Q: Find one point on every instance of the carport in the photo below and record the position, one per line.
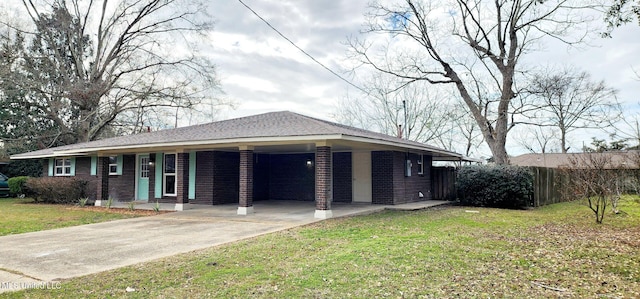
(271, 156)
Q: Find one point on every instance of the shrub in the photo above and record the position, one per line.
(495, 186)
(57, 190)
(17, 185)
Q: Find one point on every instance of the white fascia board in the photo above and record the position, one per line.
(200, 143)
(402, 145)
(255, 141)
(51, 155)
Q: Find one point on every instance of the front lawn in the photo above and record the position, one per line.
(22, 216)
(454, 252)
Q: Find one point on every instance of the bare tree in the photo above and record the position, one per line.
(595, 179)
(492, 39)
(568, 100)
(414, 113)
(463, 134)
(539, 140)
(86, 64)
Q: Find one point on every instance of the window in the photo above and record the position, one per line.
(113, 165)
(62, 167)
(170, 174)
(144, 167)
(421, 165)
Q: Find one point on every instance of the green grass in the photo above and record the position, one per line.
(550, 252)
(22, 216)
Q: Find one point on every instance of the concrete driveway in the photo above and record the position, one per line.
(52, 255)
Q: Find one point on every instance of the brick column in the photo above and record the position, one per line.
(246, 181)
(324, 193)
(182, 180)
(102, 192)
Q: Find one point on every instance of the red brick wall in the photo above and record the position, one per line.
(182, 175)
(324, 192)
(382, 177)
(246, 178)
(406, 188)
(226, 177)
(389, 183)
(204, 178)
(261, 171)
(83, 171)
(342, 177)
(122, 187)
(290, 178)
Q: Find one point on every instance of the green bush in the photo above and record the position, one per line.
(57, 189)
(17, 185)
(495, 186)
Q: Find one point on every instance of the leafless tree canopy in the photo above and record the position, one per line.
(88, 68)
(477, 46)
(569, 99)
(384, 109)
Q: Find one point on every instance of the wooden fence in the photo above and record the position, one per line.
(547, 186)
(443, 183)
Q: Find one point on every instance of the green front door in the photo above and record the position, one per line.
(143, 177)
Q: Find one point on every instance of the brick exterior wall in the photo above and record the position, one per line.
(290, 178)
(123, 187)
(261, 171)
(102, 189)
(118, 187)
(246, 178)
(204, 178)
(382, 177)
(152, 179)
(406, 188)
(182, 178)
(83, 172)
(342, 177)
(226, 177)
(324, 190)
(389, 183)
(276, 177)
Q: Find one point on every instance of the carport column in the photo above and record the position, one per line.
(103, 180)
(324, 193)
(246, 181)
(182, 183)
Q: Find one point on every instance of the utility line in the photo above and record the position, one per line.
(301, 50)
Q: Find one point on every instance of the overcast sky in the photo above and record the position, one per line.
(262, 72)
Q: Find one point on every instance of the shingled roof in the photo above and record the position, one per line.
(273, 125)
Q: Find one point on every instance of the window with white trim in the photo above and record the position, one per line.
(113, 165)
(169, 176)
(421, 165)
(62, 167)
(144, 167)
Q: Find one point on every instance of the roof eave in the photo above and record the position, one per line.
(257, 141)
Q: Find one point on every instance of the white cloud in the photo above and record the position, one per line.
(251, 83)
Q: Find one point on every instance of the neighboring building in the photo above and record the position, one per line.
(271, 156)
(617, 160)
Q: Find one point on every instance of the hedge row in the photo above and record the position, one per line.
(57, 190)
(496, 186)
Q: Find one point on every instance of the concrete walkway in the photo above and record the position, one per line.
(47, 256)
